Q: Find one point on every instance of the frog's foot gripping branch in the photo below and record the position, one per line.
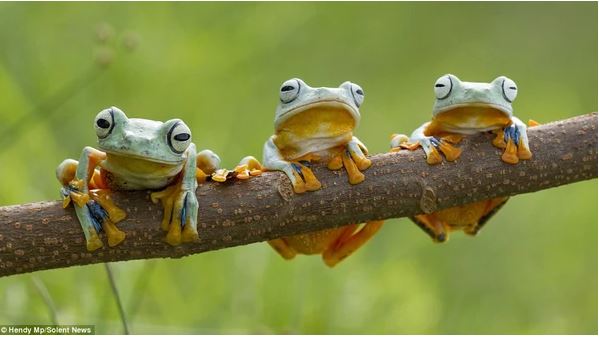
(179, 201)
(303, 178)
(180, 214)
(95, 209)
(433, 146)
(515, 142)
(248, 167)
(354, 160)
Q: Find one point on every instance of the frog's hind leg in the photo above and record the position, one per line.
(493, 206)
(350, 241)
(281, 247)
(432, 226)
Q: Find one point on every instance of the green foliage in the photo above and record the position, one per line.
(218, 66)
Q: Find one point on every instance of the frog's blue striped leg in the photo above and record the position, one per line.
(91, 212)
(301, 176)
(515, 139)
(433, 146)
(180, 203)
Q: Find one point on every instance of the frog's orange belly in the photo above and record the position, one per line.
(467, 120)
(463, 215)
(314, 242)
(314, 130)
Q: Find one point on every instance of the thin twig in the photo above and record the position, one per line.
(43, 291)
(117, 298)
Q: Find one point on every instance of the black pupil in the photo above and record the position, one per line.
(104, 124)
(287, 88)
(513, 88)
(439, 85)
(182, 137)
(360, 92)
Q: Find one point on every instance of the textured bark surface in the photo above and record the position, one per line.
(43, 235)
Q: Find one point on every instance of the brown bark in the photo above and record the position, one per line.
(42, 235)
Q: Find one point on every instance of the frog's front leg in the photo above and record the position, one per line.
(354, 160)
(95, 210)
(432, 145)
(300, 175)
(180, 204)
(515, 141)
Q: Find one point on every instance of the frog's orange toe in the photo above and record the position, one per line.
(94, 243)
(115, 235)
(336, 163)
(220, 175)
(510, 155)
(362, 162)
(533, 123)
(434, 157)
(189, 234)
(451, 152)
(499, 140)
(410, 146)
(173, 237)
(523, 152)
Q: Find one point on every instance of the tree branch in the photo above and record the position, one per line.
(42, 235)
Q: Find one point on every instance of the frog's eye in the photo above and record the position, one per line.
(290, 89)
(443, 87)
(358, 94)
(104, 123)
(509, 89)
(179, 137)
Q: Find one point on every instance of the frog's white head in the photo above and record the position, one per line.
(142, 138)
(296, 96)
(452, 93)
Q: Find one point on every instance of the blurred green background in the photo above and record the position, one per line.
(218, 66)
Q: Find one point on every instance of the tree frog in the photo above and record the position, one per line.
(461, 109)
(316, 125)
(136, 154)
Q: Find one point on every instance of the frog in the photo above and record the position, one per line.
(463, 109)
(316, 125)
(136, 154)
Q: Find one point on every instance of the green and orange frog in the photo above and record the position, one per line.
(136, 154)
(316, 125)
(462, 109)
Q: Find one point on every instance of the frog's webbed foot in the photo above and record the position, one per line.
(433, 147)
(515, 142)
(400, 141)
(354, 160)
(180, 214)
(95, 209)
(307, 180)
(248, 167)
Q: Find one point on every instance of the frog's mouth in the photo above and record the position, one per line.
(332, 107)
(473, 117)
(123, 156)
(475, 107)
